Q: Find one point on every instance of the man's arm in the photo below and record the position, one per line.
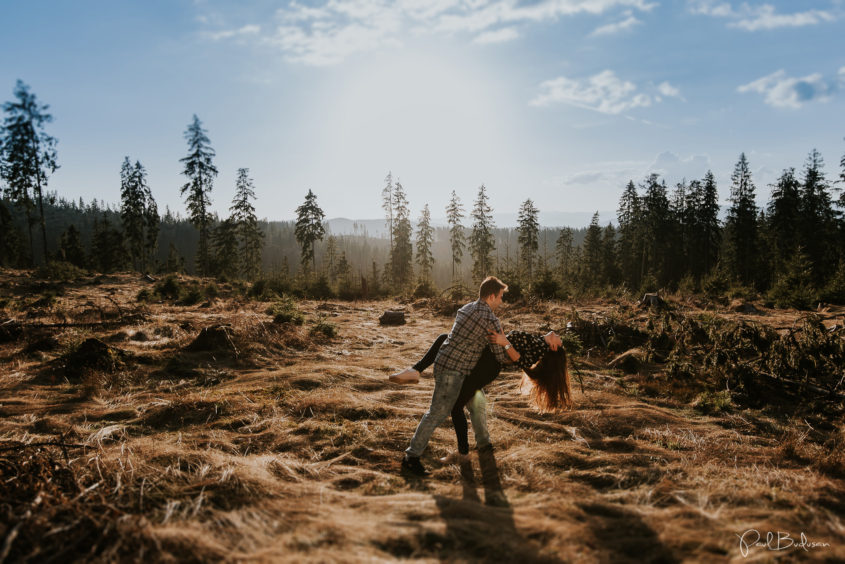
(494, 326)
(500, 340)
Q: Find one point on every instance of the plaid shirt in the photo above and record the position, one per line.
(468, 337)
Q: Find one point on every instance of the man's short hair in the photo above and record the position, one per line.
(490, 287)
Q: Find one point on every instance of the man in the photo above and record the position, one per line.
(455, 360)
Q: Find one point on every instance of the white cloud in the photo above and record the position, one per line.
(758, 17)
(329, 31)
(782, 91)
(614, 28)
(233, 33)
(668, 90)
(498, 36)
(603, 92)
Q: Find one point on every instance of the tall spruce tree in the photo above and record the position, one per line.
(818, 219)
(152, 225)
(249, 234)
(707, 222)
(609, 255)
(27, 158)
(741, 237)
(591, 266)
(564, 253)
(107, 250)
(481, 240)
(70, 246)
(132, 204)
(9, 238)
(225, 247)
(200, 171)
(784, 218)
(425, 242)
(401, 253)
(457, 239)
(629, 218)
(529, 236)
(656, 230)
(309, 229)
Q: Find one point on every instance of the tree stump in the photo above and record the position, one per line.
(652, 300)
(217, 338)
(392, 318)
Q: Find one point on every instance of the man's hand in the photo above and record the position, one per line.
(553, 340)
(498, 338)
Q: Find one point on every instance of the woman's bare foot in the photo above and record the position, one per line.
(454, 458)
(407, 376)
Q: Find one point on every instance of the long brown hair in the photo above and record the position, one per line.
(551, 389)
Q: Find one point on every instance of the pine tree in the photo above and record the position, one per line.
(818, 219)
(425, 241)
(529, 235)
(707, 222)
(564, 253)
(27, 157)
(132, 207)
(226, 251)
(656, 230)
(741, 225)
(152, 225)
(175, 262)
(70, 247)
(481, 241)
(592, 254)
(249, 234)
(200, 171)
(107, 250)
(784, 218)
(457, 239)
(309, 229)
(9, 238)
(330, 259)
(629, 217)
(609, 258)
(401, 256)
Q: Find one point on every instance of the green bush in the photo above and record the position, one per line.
(266, 289)
(425, 289)
(211, 290)
(713, 402)
(285, 310)
(192, 296)
(546, 287)
(60, 270)
(170, 288)
(324, 327)
(319, 289)
(145, 295)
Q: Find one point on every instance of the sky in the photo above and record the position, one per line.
(559, 101)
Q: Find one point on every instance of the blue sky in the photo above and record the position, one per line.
(561, 101)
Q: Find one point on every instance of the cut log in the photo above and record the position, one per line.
(392, 318)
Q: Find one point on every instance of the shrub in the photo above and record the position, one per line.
(716, 283)
(425, 289)
(60, 270)
(211, 291)
(285, 310)
(319, 289)
(145, 295)
(192, 296)
(545, 287)
(170, 288)
(265, 289)
(713, 402)
(324, 327)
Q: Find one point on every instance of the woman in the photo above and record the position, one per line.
(546, 378)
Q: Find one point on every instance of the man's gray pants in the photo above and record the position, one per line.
(447, 386)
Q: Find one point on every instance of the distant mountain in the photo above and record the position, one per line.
(377, 227)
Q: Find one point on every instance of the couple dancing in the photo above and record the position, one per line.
(469, 358)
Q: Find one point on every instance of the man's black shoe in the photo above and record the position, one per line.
(413, 465)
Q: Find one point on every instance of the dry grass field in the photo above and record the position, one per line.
(266, 441)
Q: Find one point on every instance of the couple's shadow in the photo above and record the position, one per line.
(484, 530)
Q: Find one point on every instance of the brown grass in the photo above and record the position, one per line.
(289, 450)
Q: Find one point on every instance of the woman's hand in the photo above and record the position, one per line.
(498, 338)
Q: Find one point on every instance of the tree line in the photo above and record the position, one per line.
(792, 249)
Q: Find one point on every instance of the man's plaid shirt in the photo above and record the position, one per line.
(468, 337)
